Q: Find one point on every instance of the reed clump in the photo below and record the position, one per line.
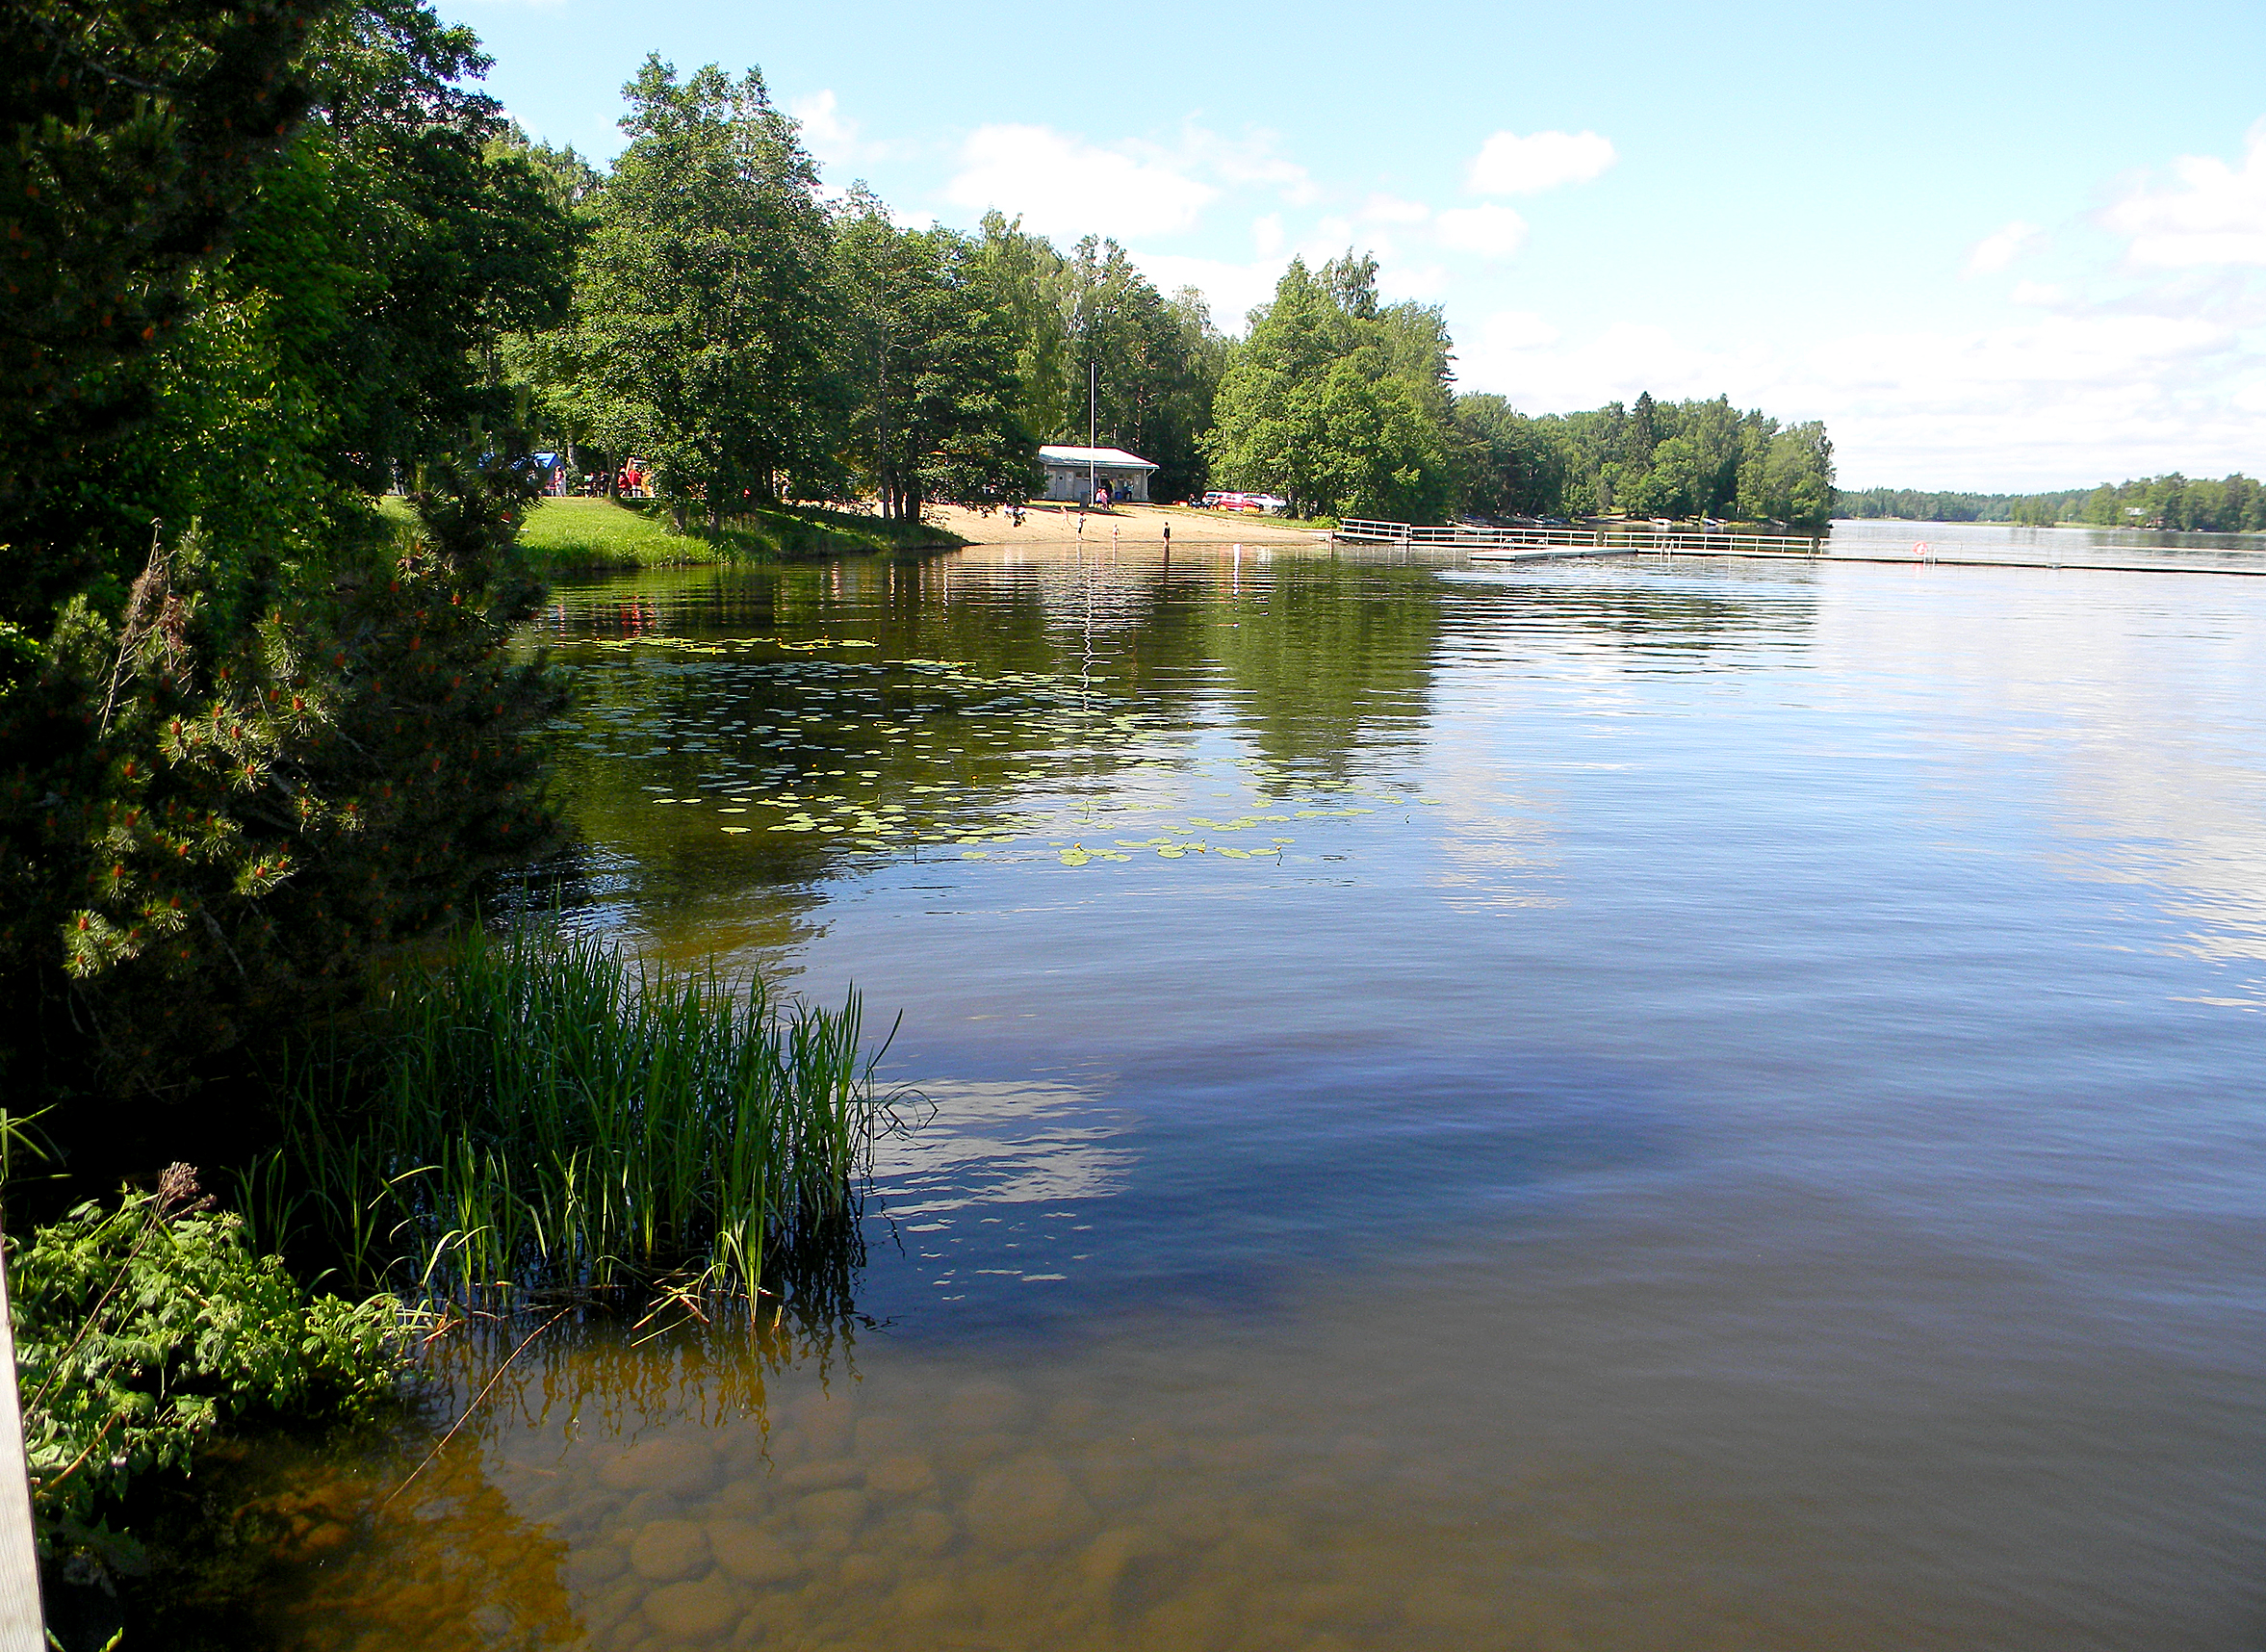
(551, 1117)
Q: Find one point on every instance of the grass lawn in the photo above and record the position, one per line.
(568, 535)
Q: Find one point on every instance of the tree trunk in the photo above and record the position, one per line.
(884, 471)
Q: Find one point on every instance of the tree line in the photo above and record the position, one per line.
(269, 259)
(2232, 505)
(752, 341)
(1344, 406)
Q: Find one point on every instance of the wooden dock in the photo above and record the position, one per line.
(1557, 544)
(1537, 544)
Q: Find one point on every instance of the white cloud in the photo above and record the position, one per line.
(2055, 400)
(1249, 160)
(1062, 186)
(2039, 294)
(2215, 214)
(1232, 290)
(2052, 402)
(1426, 283)
(830, 138)
(2002, 246)
(1267, 235)
(1517, 329)
(1516, 357)
(1391, 209)
(1509, 164)
(1491, 231)
(1946, 371)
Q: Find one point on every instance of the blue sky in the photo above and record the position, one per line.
(1991, 246)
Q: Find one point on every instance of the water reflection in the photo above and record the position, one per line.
(788, 720)
(1723, 1114)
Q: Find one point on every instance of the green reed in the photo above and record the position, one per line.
(548, 1115)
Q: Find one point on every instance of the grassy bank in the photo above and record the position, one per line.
(576, 535)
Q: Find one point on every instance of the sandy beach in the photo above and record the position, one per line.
(1132, 524)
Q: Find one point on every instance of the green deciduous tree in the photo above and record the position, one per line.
(703, 312)
(928, 343)
(1677, 460)
(1155, 361)
(1338, 402)
(246, 738)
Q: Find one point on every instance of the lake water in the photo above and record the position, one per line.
(1584, 1105)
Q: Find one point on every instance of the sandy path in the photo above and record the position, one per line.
(1135, 525)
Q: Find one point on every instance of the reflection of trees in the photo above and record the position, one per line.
(1319, 658)
(452, 1563)
(475, 1550)
(1328, 659)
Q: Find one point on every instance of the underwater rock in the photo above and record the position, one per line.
(822, 1476)
(1114, 1557)
(1027, 1503)
(750, 1554)
(900, 1475)
(681, 1462)
(836, 1508)
(984, 1405)
(665, 1550)
(693, 1610)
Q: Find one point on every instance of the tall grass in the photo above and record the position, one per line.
(550, 1116)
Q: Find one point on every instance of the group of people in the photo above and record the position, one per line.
(631, 481)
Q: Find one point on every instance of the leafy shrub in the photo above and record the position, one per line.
(141, 1330)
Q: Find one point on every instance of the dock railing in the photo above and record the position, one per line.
(1617, 539)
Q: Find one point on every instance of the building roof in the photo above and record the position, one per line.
(1108, 458)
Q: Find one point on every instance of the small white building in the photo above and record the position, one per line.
(1074, 475)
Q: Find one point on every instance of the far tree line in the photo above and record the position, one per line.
(751, 340)
(2232, 505)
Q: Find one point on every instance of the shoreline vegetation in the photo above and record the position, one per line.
(540, 1117)
(533, 1126)
(2174, 503)
(566, 536)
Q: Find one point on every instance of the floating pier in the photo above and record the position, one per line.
(1537, 544)
(1556, 544)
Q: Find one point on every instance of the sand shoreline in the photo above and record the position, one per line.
(1131, 524)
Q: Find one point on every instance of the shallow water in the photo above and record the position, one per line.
(1582, 1105)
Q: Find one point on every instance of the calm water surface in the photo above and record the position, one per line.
(1578, 1106)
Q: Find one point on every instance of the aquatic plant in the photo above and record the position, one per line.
(549, 1115)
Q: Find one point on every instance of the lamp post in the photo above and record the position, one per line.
(1092, 383)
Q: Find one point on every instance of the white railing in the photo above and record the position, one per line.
(1621, 538)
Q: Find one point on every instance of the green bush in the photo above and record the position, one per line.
(143, 1329)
